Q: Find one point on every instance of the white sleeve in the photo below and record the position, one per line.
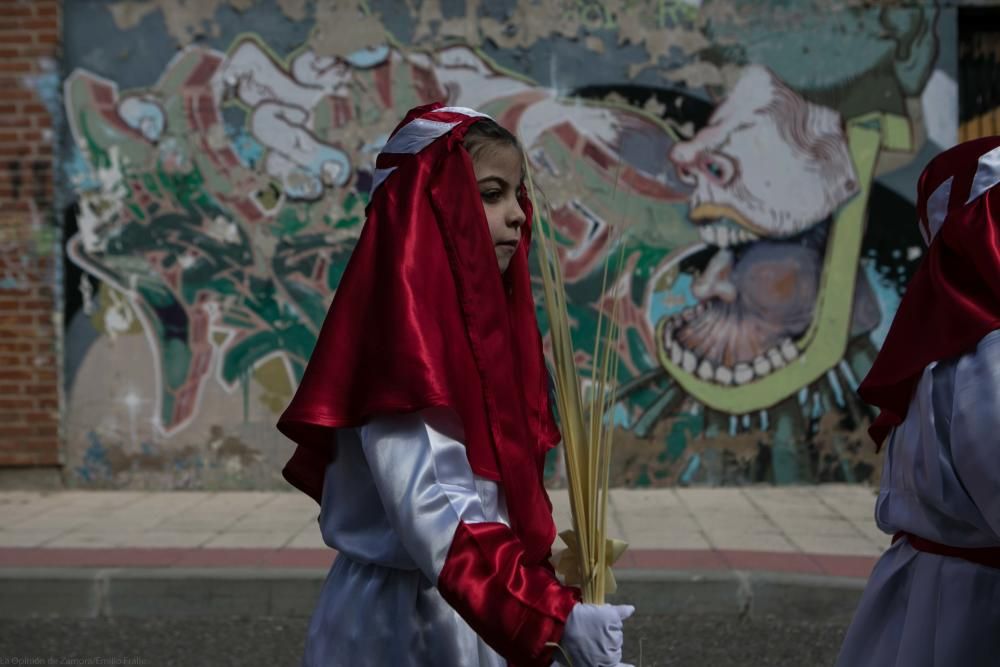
(425, 482)
(447, 520)
(975, 427)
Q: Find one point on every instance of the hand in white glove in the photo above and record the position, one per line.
(593, 636)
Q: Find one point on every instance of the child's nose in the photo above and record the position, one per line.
(516, 217)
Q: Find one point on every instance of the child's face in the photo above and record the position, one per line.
(498, 173)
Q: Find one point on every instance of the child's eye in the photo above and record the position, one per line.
(491, 196)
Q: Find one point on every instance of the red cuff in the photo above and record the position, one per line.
(516, 607)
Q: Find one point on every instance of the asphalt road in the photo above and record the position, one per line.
(696, 641)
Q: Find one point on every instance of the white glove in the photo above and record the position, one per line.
(593, 636)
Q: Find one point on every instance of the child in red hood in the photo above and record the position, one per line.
(423, 419)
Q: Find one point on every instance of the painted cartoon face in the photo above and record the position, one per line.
(767, 173)
(769, 164)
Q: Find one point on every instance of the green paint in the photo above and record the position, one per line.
(99, 157)
(309, 301)
(784, 454)
(176, 362)
(346, 223)
(245, 386)
(288, 222)
(244, 354)
(136, 211)
(644, 425)
(350, 201)
(685, 427)
(150, 183)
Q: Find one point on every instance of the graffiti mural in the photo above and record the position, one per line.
(762, 204)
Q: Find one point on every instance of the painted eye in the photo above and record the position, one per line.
(718, 167)
(686, 175)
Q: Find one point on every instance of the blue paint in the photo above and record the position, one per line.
(95, 461)
(308, 181)
(144, 116)
(691, 469)
(48, 88)
(368, 57)
(817, 407)
(621, 416)
(247, 148)
(659, 307)
(887, 295)
(77, 171)
(848, 374)
(838, 392)
(327, 154)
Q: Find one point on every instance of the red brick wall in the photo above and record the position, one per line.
(29, 324)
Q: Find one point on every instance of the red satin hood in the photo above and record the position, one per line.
(953, 300)
(422, 317)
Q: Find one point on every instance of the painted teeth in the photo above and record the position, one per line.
(761, 366)
(741, 374)
(678, 320)
(724, 235)
(788, 350)
(690, 362)
(709, 234)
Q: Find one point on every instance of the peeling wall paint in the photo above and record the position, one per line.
(768, 182)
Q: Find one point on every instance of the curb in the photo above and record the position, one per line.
(801, 597)
(137, 592)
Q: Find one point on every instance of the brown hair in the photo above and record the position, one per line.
(487, 135)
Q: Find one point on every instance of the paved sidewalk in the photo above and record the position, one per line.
(704, 543)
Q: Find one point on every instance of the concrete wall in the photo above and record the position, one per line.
(217, 159)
